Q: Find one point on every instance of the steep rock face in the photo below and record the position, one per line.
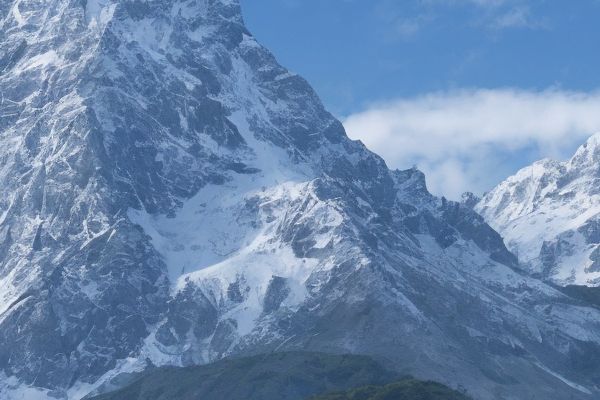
(171, 195)
(549, 214)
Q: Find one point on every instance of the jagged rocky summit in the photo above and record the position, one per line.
(171, 195)
(549, 215)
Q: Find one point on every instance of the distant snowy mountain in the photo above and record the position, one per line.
(172, 196)
(549, 215)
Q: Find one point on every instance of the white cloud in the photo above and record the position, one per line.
(407, 27)
(519, 17)
(471, 139)
(503, 14)
(480, 3)
(515, 18)
(488, 3)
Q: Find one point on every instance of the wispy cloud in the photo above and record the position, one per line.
(487, 3)
(515, 18)
(506, 14)
(403, 22)
(470, 139)
(406, 28)
(491, 16)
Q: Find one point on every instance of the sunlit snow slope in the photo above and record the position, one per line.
(549, 215)
(171, 195)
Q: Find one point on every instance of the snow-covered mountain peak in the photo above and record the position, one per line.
(588, 155)
(548, 214)
(523, 191)
(172, 195)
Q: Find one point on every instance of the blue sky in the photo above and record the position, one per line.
(451, 68)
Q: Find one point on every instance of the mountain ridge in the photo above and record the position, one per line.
(549, 212)
(173, 196)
